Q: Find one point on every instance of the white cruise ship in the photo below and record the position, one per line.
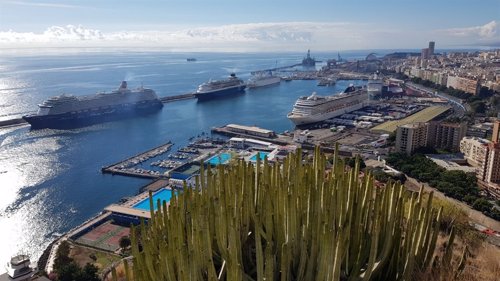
(313, 109)
(69, 111)
(262, 80)
(217, 88)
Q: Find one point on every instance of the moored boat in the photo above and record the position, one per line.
(69, 111)
(263, 80)
(314, 108)
(217, 88)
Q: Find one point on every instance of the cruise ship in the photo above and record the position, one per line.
(262, 80)
(216, 88)
(68, 111)
(313, 109)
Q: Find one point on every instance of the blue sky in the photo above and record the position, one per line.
(251, 24)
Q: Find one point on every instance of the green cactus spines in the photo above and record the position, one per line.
(290, 221)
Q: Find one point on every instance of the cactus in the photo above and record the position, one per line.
(289, 221)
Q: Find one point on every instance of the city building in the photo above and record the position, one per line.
(445, 135)
(495, 137)
(485, 155)
(424, 55)
(475, 151)
(492, 173)
(431, 48)
(410, 137)
(436, 134)
(461, 83)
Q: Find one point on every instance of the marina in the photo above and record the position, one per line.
(126, 167)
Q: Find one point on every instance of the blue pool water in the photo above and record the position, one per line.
(261, 154)
(163, 195)
(221, 158)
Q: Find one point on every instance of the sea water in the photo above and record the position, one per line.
(50, 180)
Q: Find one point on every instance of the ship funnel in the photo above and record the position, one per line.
(123, 85)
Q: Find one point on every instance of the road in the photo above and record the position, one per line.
(457, 103)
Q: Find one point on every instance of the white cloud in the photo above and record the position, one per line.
(488, 30)
(253, 36)
(287, 36)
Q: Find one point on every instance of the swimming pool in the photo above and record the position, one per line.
(163, 195)
(221, 158)
(261, 154)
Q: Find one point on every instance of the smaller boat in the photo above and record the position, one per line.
(191, 59)
(327, 81)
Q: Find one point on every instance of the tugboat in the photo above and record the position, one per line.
(18, 269)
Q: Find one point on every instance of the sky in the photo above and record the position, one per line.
(250, 25)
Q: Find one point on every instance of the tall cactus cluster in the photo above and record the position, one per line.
(290, 221)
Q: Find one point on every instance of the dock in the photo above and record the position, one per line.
(12, 122)
(177, 98)
(251, 132)
(126, 167)
(281, 68)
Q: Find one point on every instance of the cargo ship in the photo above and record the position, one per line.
(68, 111)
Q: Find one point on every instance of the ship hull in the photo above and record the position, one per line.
(72, 120)
(264, 83)
(220, 93)
(311, 119)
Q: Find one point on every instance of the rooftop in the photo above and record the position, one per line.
(422, 116)
(449, 162)
(250, 128)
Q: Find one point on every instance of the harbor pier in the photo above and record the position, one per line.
(125, 167)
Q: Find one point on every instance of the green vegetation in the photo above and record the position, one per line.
(455, 184)
(384, 177)
(290, 221)
(351, 162)
(124, 242)
(67, 269)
